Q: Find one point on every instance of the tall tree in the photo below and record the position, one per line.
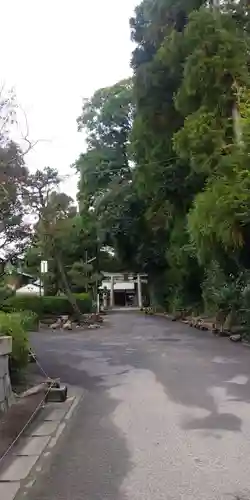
(107, 119)
(163, 179)
(14, 228)
(185, 144)
(55, 213)
(190, 64)
(107, 189)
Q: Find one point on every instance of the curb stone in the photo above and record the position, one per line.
(245, 343)
(36, 444)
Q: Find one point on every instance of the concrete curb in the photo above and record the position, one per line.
(245, 343)
(36, 445)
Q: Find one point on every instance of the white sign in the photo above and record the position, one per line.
(44, 266)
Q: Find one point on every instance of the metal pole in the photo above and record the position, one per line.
(40, 277)
(96, 282)
(86, 262)
(97, 303)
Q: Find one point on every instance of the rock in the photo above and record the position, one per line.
(224, 333)
(56, 326)
(149, 311)
(236, 337)
(96, 318)
(193, 322)
(67, 325)
(64, 318)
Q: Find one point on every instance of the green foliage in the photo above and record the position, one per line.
(214, 52)
(216, 55)
(107, 117)
(48, 306)
(184, 274)
(117, 210)
(165, 178)
(227, 294)
(213, 282)
(245, 310)
(221, 213)
(204, 155)
(13, 181)
(29, 320)
(5, 292)
(83, 277)
(13, 325)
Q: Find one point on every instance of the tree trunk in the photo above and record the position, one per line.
(231, 320)
(67, 290)
(157, 287)
(237, 125)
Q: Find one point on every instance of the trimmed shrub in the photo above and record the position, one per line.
(47, 306)
(11, 324)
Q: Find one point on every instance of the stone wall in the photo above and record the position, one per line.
(5, 384)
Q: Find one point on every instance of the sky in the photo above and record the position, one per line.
(54, 53)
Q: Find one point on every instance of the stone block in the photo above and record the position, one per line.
(3, 406)
(7, 385)
(57, 394)
(2, 390)
(56, 415)
(8, 491)
(32, 446)
(45, 429)
(5, 345)
(19, 468)
(4, 365)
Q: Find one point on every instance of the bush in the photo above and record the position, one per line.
(29, 320)
(47, 306)
(11, 324)
(5, 292)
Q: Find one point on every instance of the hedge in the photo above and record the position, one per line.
(47, 306)
(13, 325)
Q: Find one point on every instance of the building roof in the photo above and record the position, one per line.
(30, 289)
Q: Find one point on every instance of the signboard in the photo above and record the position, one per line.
(44, 266)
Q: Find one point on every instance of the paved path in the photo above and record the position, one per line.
(166, 414)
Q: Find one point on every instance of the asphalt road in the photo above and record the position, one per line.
(166, 414)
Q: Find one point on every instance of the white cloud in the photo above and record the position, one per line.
(54, 52)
